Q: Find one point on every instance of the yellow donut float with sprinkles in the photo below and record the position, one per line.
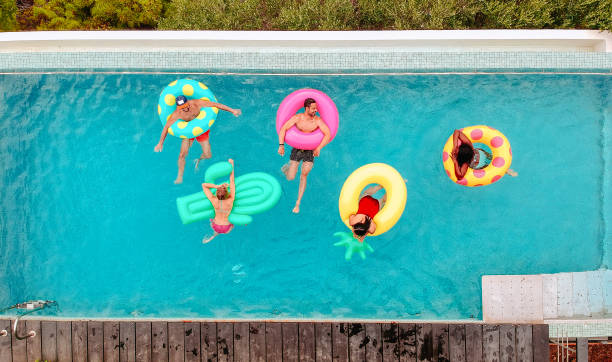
(501, 159)
(191, 89)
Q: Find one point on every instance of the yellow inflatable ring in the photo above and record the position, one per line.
(501, 152)
(374, 173)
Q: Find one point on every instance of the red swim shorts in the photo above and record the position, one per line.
(203, 137)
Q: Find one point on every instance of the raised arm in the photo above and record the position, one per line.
(203, 104)
(232, 182)
(169, 122)
(459, 171)
(326, 136)
(458, 135)
(281, 134)
(206, 188)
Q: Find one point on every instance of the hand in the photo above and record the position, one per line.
(316, 152)
(158, 147)
(236, 112)
(281, 150)
(231, 162)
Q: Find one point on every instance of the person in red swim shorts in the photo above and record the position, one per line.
(362, 222)
(187, 110)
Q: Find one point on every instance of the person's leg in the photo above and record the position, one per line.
(181, 160)
(371, 191)
(206, 153)
(511, 172)
(290, 169)
(306, 167)
(208, 240)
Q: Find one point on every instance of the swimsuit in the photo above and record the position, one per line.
(220, 229)
(368, 206)
(203, 137)
(478, 161)
(301, 155)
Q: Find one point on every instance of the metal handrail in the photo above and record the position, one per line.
(31, 307)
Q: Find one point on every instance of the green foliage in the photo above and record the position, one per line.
(95, 14)
(213, 15)
(317, 15)
(8, 15)
(127, 14)
(308, 14)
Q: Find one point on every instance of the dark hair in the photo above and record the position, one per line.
(362, 228)
(308, 102)
(465, 154)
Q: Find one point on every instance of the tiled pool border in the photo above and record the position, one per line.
(327, 61)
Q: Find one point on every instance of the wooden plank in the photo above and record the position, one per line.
(208, 341)
(339, 342)
(64, 341)
(440, 340)
(79, 340)
(110, 341)
(507, 343)
(274, 342)
(356, 341)
(143, 341)
(323, 342)
(582, 350)
(390, 345)
(257, 342)
(407, 342)
(6, 352)
(95, 341)
(374, 345)
(541, 351)
(192, 342)
(34, 344)
(425, 351)
(473, 342)
(225, 342)
(49, 340)
(159, 341)
(241, 342)
(290, 342)
(524, 351)
(456, 342)
(127, 341)
(19, 346)
(490, 342)
(176, 342)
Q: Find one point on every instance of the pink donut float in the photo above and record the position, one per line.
(294, 102)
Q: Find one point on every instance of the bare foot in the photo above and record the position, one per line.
(296, 209)
(179, 180)
(512, 173)
(285, 169)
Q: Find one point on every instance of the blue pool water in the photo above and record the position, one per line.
(88, 215)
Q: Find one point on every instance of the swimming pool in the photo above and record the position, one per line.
(89, 218)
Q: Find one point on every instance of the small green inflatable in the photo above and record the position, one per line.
(256, 192)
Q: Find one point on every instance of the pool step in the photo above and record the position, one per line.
(535, 298)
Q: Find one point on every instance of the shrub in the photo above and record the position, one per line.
(8, 15)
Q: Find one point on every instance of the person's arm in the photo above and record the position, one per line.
(206, 188)
(281, 134)
(170, 122)
(459, 171)
(203, 104)
(232, 183)
(372, 228)
(464, 139)
(326, 136)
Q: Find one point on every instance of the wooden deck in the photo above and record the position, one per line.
(273, 341)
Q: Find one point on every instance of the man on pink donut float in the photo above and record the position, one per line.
(306, 122)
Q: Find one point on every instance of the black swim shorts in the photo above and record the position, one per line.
(302, 155)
